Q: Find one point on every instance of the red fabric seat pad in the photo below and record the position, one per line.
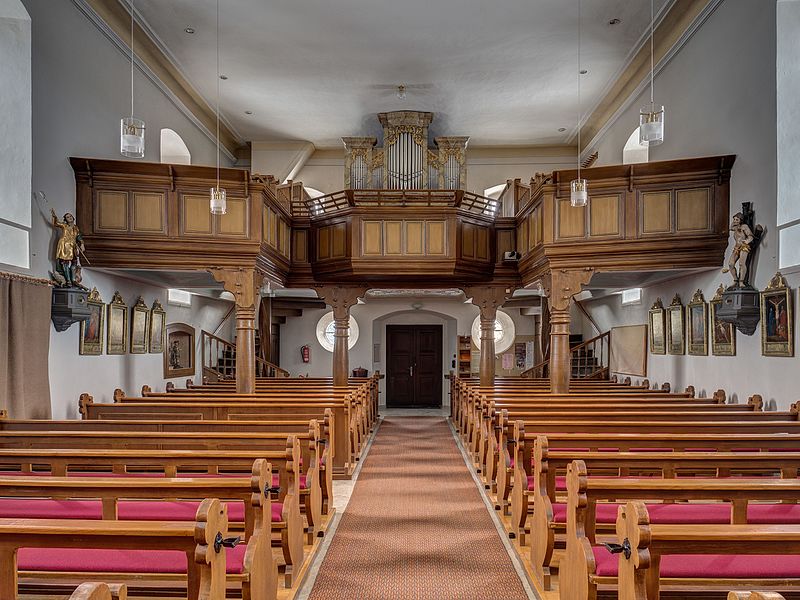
(127, 510)
(675, 514)
(718, 566)
(117, 561)
(277, 512)
(276, 481)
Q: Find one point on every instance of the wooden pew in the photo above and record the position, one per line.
(315, 438)
(346, 433)
(100, 591)
(584, 565)
(755, 596)
(639, 570)
(283, 453)
(205, 559)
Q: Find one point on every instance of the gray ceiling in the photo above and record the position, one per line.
(503, 72)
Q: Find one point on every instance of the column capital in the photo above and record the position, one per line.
(341, 297)
(560, 285)
(244, 283)
(488, 299)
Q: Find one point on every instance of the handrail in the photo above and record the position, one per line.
(590, 365)
(219, 356)
(264, 368)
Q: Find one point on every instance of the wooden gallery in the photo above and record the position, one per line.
(381, 301)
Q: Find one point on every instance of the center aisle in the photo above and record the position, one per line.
(416, 525)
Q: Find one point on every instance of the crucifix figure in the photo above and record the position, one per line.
(743, 238)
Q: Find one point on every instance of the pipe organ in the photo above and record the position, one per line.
(405, 162)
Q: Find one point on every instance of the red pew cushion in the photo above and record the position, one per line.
(773, 513)
(276, 481)
(118, 561)
(37, 508)
(277, 510)
(147, 510)
(720, 566)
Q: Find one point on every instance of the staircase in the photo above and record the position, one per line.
(589, 359)
(219, 360)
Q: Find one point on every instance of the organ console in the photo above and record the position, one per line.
(405, 162)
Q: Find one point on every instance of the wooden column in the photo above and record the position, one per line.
(244, 284)
(341, 298)
(488, 300)
(560, 286)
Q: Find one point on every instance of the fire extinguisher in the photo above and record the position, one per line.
(305, 352)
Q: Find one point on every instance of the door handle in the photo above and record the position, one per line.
(411, 371)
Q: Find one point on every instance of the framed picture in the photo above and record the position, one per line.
(140, 325)
(675, 327)
(777, 330)
(91, 340)
(158, 327)
(117, 339)
(723, 335)
(179, 353)
(658, 339)
(697, 315)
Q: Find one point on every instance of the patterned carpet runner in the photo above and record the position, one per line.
(416, 527)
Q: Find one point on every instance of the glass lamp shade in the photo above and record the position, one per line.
(219, 203)
(131, 137)
(651, 125)
(578, 192)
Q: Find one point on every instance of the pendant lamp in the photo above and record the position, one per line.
(579, 187)
(651, 117)
(219, 203)
(131, 129)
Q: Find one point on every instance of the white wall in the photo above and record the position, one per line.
(81, 87)
(455, 316)
(72, 374)
(15, 133)
(720, 96)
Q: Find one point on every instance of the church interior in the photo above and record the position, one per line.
(394, 300)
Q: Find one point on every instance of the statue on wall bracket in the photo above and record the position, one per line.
(741, 301)
(70, 297)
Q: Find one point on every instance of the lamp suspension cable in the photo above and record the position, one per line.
(579, 190)
(651, 118)
(131, 137)
(219, 205)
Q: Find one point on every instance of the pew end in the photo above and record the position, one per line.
(84, 401)
(100, 591)
(755, 596)
(119, 394)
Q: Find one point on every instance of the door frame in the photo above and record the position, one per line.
(440, 368)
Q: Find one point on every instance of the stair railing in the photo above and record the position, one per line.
(588, 360)
(264, 368)
(219, 357)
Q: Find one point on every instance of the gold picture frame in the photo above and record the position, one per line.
(777, 326)
(676, 327)
(117, 330)
(90, 342)
(657, 327)
(697, 325)
(158, 327)
(723, 335)
(140, 325)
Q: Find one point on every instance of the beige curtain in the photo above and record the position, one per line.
(24, 346)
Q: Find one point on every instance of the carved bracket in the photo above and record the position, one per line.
(562, 284)
(341, 297)
(488, 299)
(242, 283)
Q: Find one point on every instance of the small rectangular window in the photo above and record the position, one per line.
(632, 296)
(179, 297)
(14, 246)
(789, 244)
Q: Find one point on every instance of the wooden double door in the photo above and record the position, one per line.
(413, 366)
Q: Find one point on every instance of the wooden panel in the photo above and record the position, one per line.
(112, 211)
(414, 238)
(338, 241)
(272, 240)
(372, 239)
(656, 212)
(604, 215)
(505, 242)
(435, 238)
(300, 250)
(692, 207)
(482, 243)
(286, 239)
(264, 223)
(531, 222)
(324, 243)
(393, 238)
(522, 237)
(148, 213)
(571, 220)
(468, 240)
(196, 215)
(234, 221)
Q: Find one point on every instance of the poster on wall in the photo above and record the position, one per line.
(520, 355)
(528, 355)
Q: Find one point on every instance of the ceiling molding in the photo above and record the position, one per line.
(677, 26)
(112, 18)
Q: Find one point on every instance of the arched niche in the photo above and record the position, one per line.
(174, 149)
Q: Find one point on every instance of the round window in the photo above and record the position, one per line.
(325, 331)
(504, 332)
